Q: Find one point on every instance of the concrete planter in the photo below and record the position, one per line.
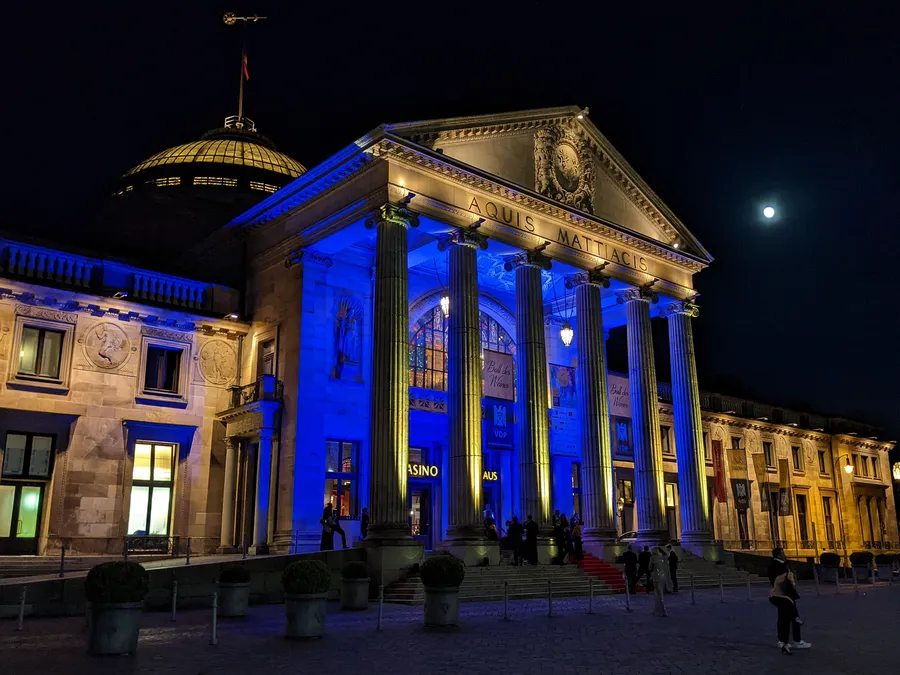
(233, 599)
(862, 572)
(829, 574)
(354, 594)
(885, 572)
(442, 606)
(305, 615)
(115, 628)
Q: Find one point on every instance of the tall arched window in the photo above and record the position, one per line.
(428, 347)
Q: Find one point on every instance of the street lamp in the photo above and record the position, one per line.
(848, 467)
(566, 334)
(445, 305)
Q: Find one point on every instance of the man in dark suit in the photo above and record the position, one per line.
(514, 536)
(631, 562)
(531, 535)
(644, 568)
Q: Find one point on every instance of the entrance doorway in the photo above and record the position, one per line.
(20, 514)
(420, 511)
(490, 495)
(671, 516)
(245, 497)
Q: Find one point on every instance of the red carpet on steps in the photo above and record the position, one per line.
(605, 572)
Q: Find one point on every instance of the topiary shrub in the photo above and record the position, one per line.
(885, 559)
(355, 570)
(861, 558)
(116, 582)
(306, 577)
(234, 574)
(442, 571)
(830, 560)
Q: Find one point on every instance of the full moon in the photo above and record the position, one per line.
(769, 212)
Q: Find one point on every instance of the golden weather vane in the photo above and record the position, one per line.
(230, 18)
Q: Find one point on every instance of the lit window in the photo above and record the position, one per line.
(28, 456)
(40, 352)
(625, 491)
(165, 182)
(263, 187)
(151, 489)
(341, 477)
(215, 180)
(43, 349)
(664, 436)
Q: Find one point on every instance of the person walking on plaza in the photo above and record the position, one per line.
(531, 535)
(577, 550)
(644, 568)
(514, 537)
(659, 570)
(631, 561)
(784, 596)
(673, 566)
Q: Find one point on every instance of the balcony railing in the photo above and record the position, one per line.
(51, 266)
(168, 290)
(266, 388)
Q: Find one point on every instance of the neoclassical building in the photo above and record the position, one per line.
(419, 327)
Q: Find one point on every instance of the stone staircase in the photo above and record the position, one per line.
(610, 575)
(483, 584)
(707, 574)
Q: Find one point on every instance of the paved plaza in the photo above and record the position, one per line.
(851, 633)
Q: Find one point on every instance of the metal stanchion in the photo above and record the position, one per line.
(816, 578)
(749, 591)
(693, 600)
(21, 620)
(591, 595)
(187, 559)
(549, 598)
(627, 595)
(506, 601)
(855, 581)
(244, 556)
(214, 638)
(721, 589)
(837, 580)
(62, 562)
(380, 605)
(174, 599)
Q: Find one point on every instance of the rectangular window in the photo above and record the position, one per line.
(769, 452)
(28, 455)
(152, 483)
(625, 491)
(823, 463)
(797, 457)
(736, 442)
(829, 523)
(801, 517)
(341, 476)
(856, 464)
(670, 495)
(874, 467)
(864, 465)
(40, 352)
(664, 436)
(265, 364)
(707, 453)
(162, 369)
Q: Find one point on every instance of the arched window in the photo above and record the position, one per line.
(428, 347)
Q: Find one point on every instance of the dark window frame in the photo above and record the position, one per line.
(340, 476)
(26, 458)
(38, 357)
(161, 369)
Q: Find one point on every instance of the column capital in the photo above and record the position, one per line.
(533, 258)
(686, 307)
(464, 236)
(231, 442)
(392, 213)
(594, 277)
(642, 293)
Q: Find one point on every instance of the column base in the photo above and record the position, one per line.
(258, 549)
(391, 561)
(226, 550)
(474, 552)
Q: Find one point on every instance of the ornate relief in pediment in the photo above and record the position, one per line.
(564, 167)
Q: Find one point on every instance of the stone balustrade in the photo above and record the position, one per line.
(169, 290)
(49, 265)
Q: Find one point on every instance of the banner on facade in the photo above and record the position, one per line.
(562, 386)
(785, 503)
(719, 471)
(564, 438)
(737, 462)
(499, 377)
(499, 432)
(740, 488)
(619, 396)
(760, 468)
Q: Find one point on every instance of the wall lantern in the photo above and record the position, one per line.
(896, 471)
(848, 467)
(445, 305)
(566, 333)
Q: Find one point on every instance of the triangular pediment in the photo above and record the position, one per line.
(559, 154)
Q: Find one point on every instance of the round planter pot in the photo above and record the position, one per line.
(115, 628)
(354, 594)
(305, 615)
(442, 606)
(829, 574)
(885, 572)
(233, 599)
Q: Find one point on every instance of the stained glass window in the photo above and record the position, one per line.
(428, 347)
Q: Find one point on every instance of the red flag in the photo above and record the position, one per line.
(246, 72)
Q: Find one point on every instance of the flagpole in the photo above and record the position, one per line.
(230, 19)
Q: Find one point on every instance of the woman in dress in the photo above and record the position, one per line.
(578, 552)
(659, 572)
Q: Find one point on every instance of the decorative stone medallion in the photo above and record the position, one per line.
(218, 362)
(564, 166)
(106, 345)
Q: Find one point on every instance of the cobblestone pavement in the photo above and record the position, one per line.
(851, 633)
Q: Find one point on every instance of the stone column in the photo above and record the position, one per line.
(693, 495)
(648, 463)
(263, 492)
(390, 377)
(464, 389)
(226, 538)
(597, 493)
(532, 397)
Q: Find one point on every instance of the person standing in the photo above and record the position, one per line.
(514, 537)
(327, 541)
(531, 535)
(631, 561)
(578, 551)
(784, 597)
(659, 571)
(673, 566)
(644, 568)
(364, 523)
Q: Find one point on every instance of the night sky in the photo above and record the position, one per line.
(720, 113)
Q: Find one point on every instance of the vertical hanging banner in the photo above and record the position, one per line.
(737, 462)
(719, 471)
(740, 488)
(762, 479)
(785, 504)
(562, 386)
(499, 430)
(498, 375)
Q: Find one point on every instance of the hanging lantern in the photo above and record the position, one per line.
(445, 305)
(566, 333)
